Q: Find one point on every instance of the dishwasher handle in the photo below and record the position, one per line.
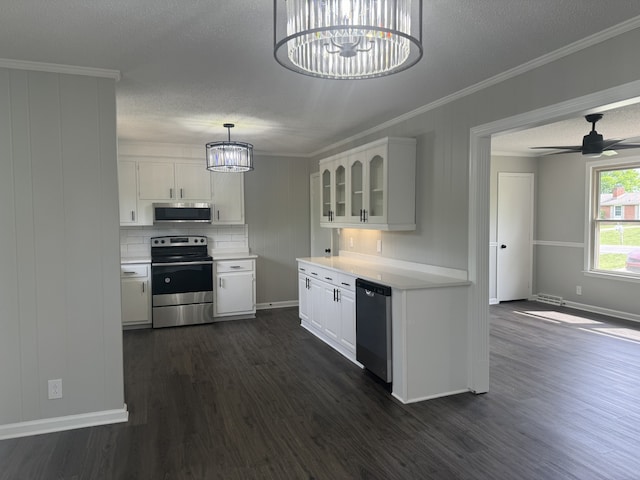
(372, 289)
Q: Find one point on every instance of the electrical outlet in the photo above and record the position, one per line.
(379, 246)
(578, 290)
(55, 388)
(350, 242)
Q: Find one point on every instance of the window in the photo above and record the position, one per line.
(615, 218)
(617, 211)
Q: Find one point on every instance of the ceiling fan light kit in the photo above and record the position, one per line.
(593, 144)
(228, 156)
(348, 39)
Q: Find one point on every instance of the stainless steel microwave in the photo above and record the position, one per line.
(182, 213)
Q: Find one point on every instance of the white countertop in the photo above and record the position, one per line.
(401, 278)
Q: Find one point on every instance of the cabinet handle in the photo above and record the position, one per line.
(133, 216)
(314, 273)
(235, 266)
(181, 196)
(360, 214)
(364, 216)
(328, 278)
(308, 283)
(171, 193)
(346, 284)
(220, 282)
(143, 287)
(218, 214)
(129, 273)
(337, 295)
(302, 270)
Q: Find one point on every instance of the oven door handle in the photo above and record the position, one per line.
(179, 264)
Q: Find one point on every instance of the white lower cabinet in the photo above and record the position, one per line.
(348, 314)
(235, 288)
(327, 307)
(304, 295)
(136, 295)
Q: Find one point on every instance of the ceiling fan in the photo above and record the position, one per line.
(593, 144)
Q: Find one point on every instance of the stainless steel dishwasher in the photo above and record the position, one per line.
(373, 328)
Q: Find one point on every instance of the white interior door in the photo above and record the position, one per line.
(515, 236)
(320, 237)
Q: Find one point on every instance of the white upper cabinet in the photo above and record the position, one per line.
(227, 198)
(192, 182)
(372, 186)
(156, 181)
(128, 186)
(173, 182)
(326, 200)
(171, 173)
(334, 190)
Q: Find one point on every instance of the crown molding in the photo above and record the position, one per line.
(550, 57)
(56, 68)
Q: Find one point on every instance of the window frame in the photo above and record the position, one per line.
(593, 222)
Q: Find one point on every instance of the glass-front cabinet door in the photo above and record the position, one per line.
(340, 191)
(356, 188)
(326, 212)
(375, 186)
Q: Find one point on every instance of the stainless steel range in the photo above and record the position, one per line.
(182, 281)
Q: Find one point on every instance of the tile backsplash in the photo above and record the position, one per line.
(136, 241)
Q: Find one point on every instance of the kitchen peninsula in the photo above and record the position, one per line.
(429, 322)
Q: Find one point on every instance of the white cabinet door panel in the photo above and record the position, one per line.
(228, 198)
(156, 181)
(128, 186)
(192, 182)
(234, 294)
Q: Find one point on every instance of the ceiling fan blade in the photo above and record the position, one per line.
(624, 146)
(607, 144)
(572, 148)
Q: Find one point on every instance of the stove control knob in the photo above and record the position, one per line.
(167, 280)
(161, 241)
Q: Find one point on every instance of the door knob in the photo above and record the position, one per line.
(503, 246)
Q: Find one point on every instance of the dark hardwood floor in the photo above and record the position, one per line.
(264, 399)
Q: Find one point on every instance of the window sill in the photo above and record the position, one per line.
(612, 276)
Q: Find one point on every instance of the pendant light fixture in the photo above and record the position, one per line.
(229, 156)
(348, 39)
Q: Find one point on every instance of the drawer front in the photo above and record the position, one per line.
(322, 274)
(224, 266)
(134, 270)
(347, 282)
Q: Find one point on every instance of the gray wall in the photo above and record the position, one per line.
(561, 216)
(59, 255)
(443, 133)
(277, 211)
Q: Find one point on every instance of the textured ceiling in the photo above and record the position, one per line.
(190, 65)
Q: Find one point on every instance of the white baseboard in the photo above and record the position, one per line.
(494, 301)
(59, 424)
(634, 317)
(270, 305)
(429, 397)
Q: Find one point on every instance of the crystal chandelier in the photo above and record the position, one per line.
(229, 156)
(348, 39)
